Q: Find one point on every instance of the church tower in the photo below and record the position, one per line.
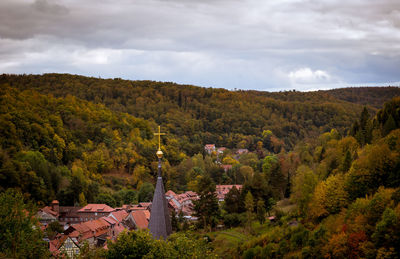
(160, 222)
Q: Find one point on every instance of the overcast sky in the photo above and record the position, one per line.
(246, 44)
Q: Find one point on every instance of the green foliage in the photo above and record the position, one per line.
(387, 231)
(140, 244)
(84, 145)
(377, 165)
(53, 228)
(146, 192)
(233, 219)
(106, 198)
(20, 234)
(304, 184)
(327, 188)
(203, 115)
(261, 211)
(206, 207)
(233, 202)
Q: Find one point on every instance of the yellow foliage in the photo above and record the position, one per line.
(228, 160)
(336, 246)
(329, 197)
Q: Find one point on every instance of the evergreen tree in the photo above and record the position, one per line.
(206, 207)
(261, 211)
(249, 204)
(233, 201)
(389, 125)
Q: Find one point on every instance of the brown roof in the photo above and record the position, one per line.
(171, 194)
(147, 214)
(69, 211)
(89, 229)
(55, 202)
(110, 220)
(48, 210)
(56, 243)
(119, 215)
(96, 208)
(189, 195)
(145, 204)
(140, 219)
(173, 204)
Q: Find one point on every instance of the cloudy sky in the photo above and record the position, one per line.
(246, 44)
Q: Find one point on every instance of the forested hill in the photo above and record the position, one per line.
(372, 96)
(204, 115)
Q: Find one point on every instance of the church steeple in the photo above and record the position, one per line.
(160, 223)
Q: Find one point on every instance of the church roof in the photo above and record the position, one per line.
(160, 223)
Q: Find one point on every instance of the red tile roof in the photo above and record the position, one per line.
(96, 208)
(110, 220)
(88, 229)
(171, 194)
(140, 219)
(147, 214)
(49, 210)
(119, 215)
(145, 204)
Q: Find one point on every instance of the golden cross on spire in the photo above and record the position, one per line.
(159, 152)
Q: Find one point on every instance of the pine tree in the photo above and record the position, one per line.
(261, 211)
(389, 125)
(206, 207)
(249, 204)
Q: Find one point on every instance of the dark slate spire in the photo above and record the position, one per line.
(160, 223)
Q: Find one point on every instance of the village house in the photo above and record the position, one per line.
(64, 214)
(94, 211)
(95, 232)
(141, 206)
(69, 215)
(138, 219)
(222, 190)
(209, 148)
(242, 151)
(221, 150)
(119, 216)
(182, 202)
(48, 214)
(64, 245)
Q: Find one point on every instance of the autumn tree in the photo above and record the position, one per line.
(303, 187)
(20, 233)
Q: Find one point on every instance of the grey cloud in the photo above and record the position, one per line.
(248, 44)
(50, 8)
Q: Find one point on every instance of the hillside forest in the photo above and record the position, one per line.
(333, 155)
